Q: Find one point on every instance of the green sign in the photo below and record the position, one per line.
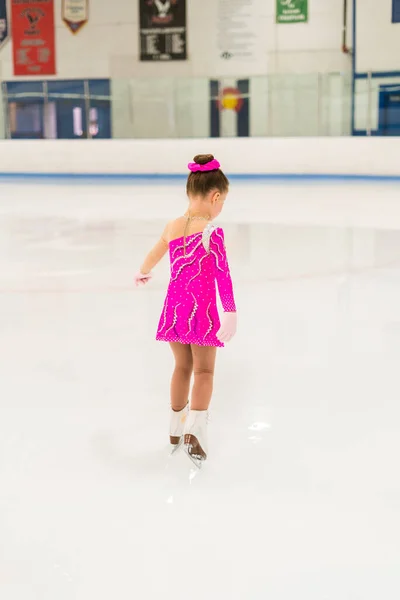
(291, 11)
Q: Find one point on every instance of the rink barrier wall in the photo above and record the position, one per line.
(165, 179)
(345, 158)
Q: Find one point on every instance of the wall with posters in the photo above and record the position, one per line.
(227, 40)
(224, 37)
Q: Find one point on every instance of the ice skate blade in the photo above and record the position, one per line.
(192, 442)
(175, 447)
(196, 461)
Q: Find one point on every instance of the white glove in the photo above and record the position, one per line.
(228, 327)
(142, 278)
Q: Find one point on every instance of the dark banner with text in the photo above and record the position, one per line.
(396, 11)
(163, 30)
(3, 22)
(33, 37)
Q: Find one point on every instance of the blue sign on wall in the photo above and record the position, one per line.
(396, 11)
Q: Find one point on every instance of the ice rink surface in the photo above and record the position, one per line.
(300, 497)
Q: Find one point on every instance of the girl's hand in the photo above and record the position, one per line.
(142, 278)
(228, 327)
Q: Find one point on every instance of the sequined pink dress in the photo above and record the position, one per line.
(190, 314)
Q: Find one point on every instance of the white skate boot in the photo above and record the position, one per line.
(177, 423)
(195, 436)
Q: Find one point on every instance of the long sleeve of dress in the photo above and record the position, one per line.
(222, 273)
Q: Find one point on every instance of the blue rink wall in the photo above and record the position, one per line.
(247, 158)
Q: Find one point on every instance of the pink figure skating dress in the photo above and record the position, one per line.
(190, 314)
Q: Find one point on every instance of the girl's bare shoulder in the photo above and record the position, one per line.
(174, 228)
(180, 227)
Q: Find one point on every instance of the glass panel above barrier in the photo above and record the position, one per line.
(279, 105)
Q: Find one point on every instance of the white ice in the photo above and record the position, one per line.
(300, 497)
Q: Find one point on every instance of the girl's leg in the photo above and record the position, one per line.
(203, 367)
(180, 383)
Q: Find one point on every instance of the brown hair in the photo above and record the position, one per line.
(200, 183)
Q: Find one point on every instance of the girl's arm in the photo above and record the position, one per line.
(156, 253)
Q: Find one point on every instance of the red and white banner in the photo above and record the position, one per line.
(33, 37)
(75, 14)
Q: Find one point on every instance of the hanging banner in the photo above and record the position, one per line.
(291, 11)
(75, 14)
(33, 37)
(3, 23)
(396, 11)
(162, 30)
(241, 43)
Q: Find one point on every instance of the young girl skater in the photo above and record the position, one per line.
(189, 320)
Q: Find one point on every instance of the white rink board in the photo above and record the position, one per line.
(250, 156)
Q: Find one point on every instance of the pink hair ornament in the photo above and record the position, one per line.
(213, 165)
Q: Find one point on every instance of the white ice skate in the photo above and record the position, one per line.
(177, 423)
(195, 436)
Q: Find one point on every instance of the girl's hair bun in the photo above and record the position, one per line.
(201, 182)
(203, 159)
